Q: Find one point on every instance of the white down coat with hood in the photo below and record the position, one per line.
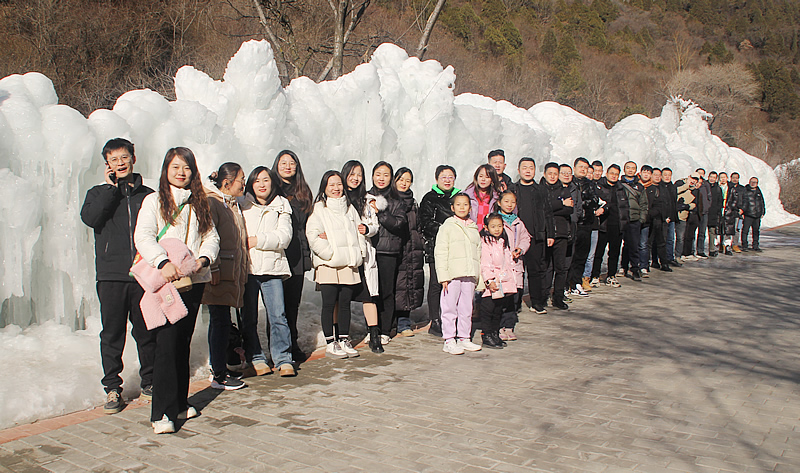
(344, 246)
(271, 224)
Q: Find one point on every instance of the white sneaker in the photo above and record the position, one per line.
(385, 339)
(620, 272)
(645, 273)
(334, 350)
(467, 345)
(612, 281)
(189, 413)
(164, 426)
(348, 348)
(595, 282)
(578, 291)
(452, 347)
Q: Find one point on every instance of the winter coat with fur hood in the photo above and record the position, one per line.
(458, 250)
(394, 223)
(232, 261)
(344, 246)
(271, 224)
(150, 223)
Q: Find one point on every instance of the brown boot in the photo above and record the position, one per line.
(736, 249)
(586, 284)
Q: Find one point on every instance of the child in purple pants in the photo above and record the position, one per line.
(458, 262)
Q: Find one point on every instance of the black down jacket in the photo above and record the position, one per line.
(298, 253)
(433, 211)
(589, 201)
(562, 215)
(715, 211)
(394, 223)
(753, 202)
(410, 287)
(534, 211)
(730, 213)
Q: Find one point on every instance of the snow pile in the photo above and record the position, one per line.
(393, 108)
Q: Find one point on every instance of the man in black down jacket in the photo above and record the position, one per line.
(111, 210)
(433, 211)
(611, 224)
(736, 199)
(562, 206)
(634, 203)
(658, 212)
(583, 233)
(534, 212)
(753, 209)
(714, 213)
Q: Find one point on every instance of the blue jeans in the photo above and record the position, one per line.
(701, 234)
(280, 338)
(644, 248)
(671, 241)
(219, 328)
(587, 270)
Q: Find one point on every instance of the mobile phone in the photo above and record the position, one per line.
(113, 177)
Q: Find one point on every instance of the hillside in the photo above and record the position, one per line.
(605, 58)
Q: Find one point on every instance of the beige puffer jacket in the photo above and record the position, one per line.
(344, 247)
(271, 224)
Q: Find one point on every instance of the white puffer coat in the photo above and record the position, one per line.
(458, 250)
(344, 247)
(271, 224)
(149, 223)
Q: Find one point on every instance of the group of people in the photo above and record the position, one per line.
(225, 240)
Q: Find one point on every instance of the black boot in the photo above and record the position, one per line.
(497, 339)
(436, 328)
(490, 342)
(375, 339)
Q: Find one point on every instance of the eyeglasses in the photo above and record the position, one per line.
(447, 178)
(119, 160)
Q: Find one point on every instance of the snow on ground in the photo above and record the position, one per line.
(393, 108)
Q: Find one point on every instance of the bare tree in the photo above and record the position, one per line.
(426, 33)
(683, 51)
(342, 10)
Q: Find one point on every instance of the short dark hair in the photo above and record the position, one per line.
(723, 172)
(526, 159)
(656, 169)
(581, 160)
(597, 162)
(550, 165)
(115, 144)
(735, 174)
(614, 166)
(497, 152)
(666, 169)
(699, 169)
(713, 172)
(564, 166)
(646, 167)
(444, 167)
(631, 162)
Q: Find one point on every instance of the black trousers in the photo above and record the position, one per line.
(434, 295)
(292, 293)
(330, 294)
(658, 240)
(119, 302)
(536, 267)
(692, 222)
(491, 311)
(171, 371)
(755, 224)
(613, 239)
(387, 279)
(510, 317)
(556, 257)
(631, 235)
(582, 247)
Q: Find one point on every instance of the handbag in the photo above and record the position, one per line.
(183, 284)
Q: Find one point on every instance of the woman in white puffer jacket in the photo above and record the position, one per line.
(337, 250)
(180, 209)
(268, 219)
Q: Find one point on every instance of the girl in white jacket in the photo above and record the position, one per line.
(181, 206)
(337, 250)
(268, 219)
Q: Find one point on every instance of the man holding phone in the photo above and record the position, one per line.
(111, 209)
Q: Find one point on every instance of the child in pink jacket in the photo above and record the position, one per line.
(519, 240)
(497, 271)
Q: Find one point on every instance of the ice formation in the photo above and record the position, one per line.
(393, 108)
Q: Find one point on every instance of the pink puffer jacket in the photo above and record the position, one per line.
(497, 265)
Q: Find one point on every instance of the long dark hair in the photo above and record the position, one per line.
(274, 187)
(389, 192)
(323, 183)
(488, 237)
(296, 188)
(197, 200)
(357, 196)
(398, 174)
(227, 171)
(492, 173)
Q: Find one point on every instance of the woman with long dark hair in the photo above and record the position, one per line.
(338, 250)
(229, 272)
(268, 216)
(178, 210)
(294, 187)
(483, 193)
(410, 286)
(353, 173)
(388, 242)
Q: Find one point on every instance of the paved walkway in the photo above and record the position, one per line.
(693, 371)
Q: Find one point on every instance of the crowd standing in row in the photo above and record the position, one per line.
(225, 241)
